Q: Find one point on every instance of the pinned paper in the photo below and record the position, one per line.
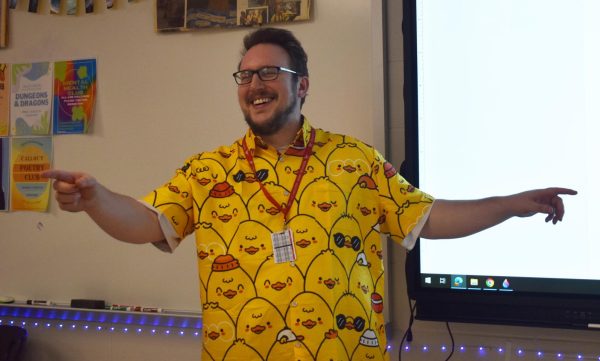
(30, 157)
(54, 6)
(74, 95)
(33, 6)
(4, 174)
(31, 98)
(89, 6)
(71, 7)
(4, 99)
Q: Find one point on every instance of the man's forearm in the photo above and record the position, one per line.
(454, 219)
(124, 218)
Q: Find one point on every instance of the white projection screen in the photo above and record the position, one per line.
(509, 100)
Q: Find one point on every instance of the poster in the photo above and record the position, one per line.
(29, 157)
(4, 98)
(4, 174)
(31, 94)
(74, 96)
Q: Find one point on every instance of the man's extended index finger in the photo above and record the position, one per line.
(60, 175)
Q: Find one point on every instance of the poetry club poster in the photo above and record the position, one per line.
(74, 95)
(29, 157)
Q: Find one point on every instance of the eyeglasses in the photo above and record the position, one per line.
(266, 73)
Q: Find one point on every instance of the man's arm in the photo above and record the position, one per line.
(454, 219)
(121, 216)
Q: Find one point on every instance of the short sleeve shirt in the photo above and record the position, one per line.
(328, 302)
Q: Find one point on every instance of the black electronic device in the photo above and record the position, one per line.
(494, 106)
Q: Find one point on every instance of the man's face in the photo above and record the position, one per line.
(268, 105)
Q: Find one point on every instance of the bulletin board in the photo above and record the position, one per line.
(161, 98)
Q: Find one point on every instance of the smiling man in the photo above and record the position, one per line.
(288, 223)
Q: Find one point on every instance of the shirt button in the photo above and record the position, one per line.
(294, 304)
(298, 344)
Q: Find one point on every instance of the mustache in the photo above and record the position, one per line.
(259, 94)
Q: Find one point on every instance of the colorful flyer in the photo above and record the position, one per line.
(74, 95)
(4, 174)
(31, 95)
(4, 99)
(29, 157)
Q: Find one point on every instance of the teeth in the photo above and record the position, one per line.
(260, 101)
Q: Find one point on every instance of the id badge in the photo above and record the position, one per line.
(283, 246)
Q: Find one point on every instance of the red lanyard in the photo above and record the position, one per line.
(305, 157)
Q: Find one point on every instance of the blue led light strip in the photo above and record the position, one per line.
(174, 320)
(103, 327)
(493, 352)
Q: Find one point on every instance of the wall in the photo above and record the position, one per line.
(161, 98)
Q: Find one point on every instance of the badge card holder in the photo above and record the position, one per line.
(283, 246)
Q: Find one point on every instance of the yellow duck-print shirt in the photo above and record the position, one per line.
(328, 303)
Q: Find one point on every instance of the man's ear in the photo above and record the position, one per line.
(303, 86)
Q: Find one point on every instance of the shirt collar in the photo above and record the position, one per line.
(302, 138)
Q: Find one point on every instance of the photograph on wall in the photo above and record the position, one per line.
(31, 95)
(210, 14)
(4, 98)
(4, 174)
(29, 157)
(74, 96)
(3, 23)
(170, 15)
(259, 12)
(181, 15)
(255, 15)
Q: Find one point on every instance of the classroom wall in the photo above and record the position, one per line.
(161, 98)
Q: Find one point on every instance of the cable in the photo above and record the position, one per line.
(452, 339)
(408, 336)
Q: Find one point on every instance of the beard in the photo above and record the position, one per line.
(273, 124)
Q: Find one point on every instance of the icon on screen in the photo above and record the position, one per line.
(505, 283)
(489, 282)
(442, 280)
(474, 282)
(428, 280)
(458, 281)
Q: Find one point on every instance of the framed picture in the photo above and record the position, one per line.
(184, 15)
(3, 23)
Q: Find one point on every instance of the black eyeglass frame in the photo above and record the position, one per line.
(238, 80)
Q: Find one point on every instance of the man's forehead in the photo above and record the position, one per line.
(263, 55)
